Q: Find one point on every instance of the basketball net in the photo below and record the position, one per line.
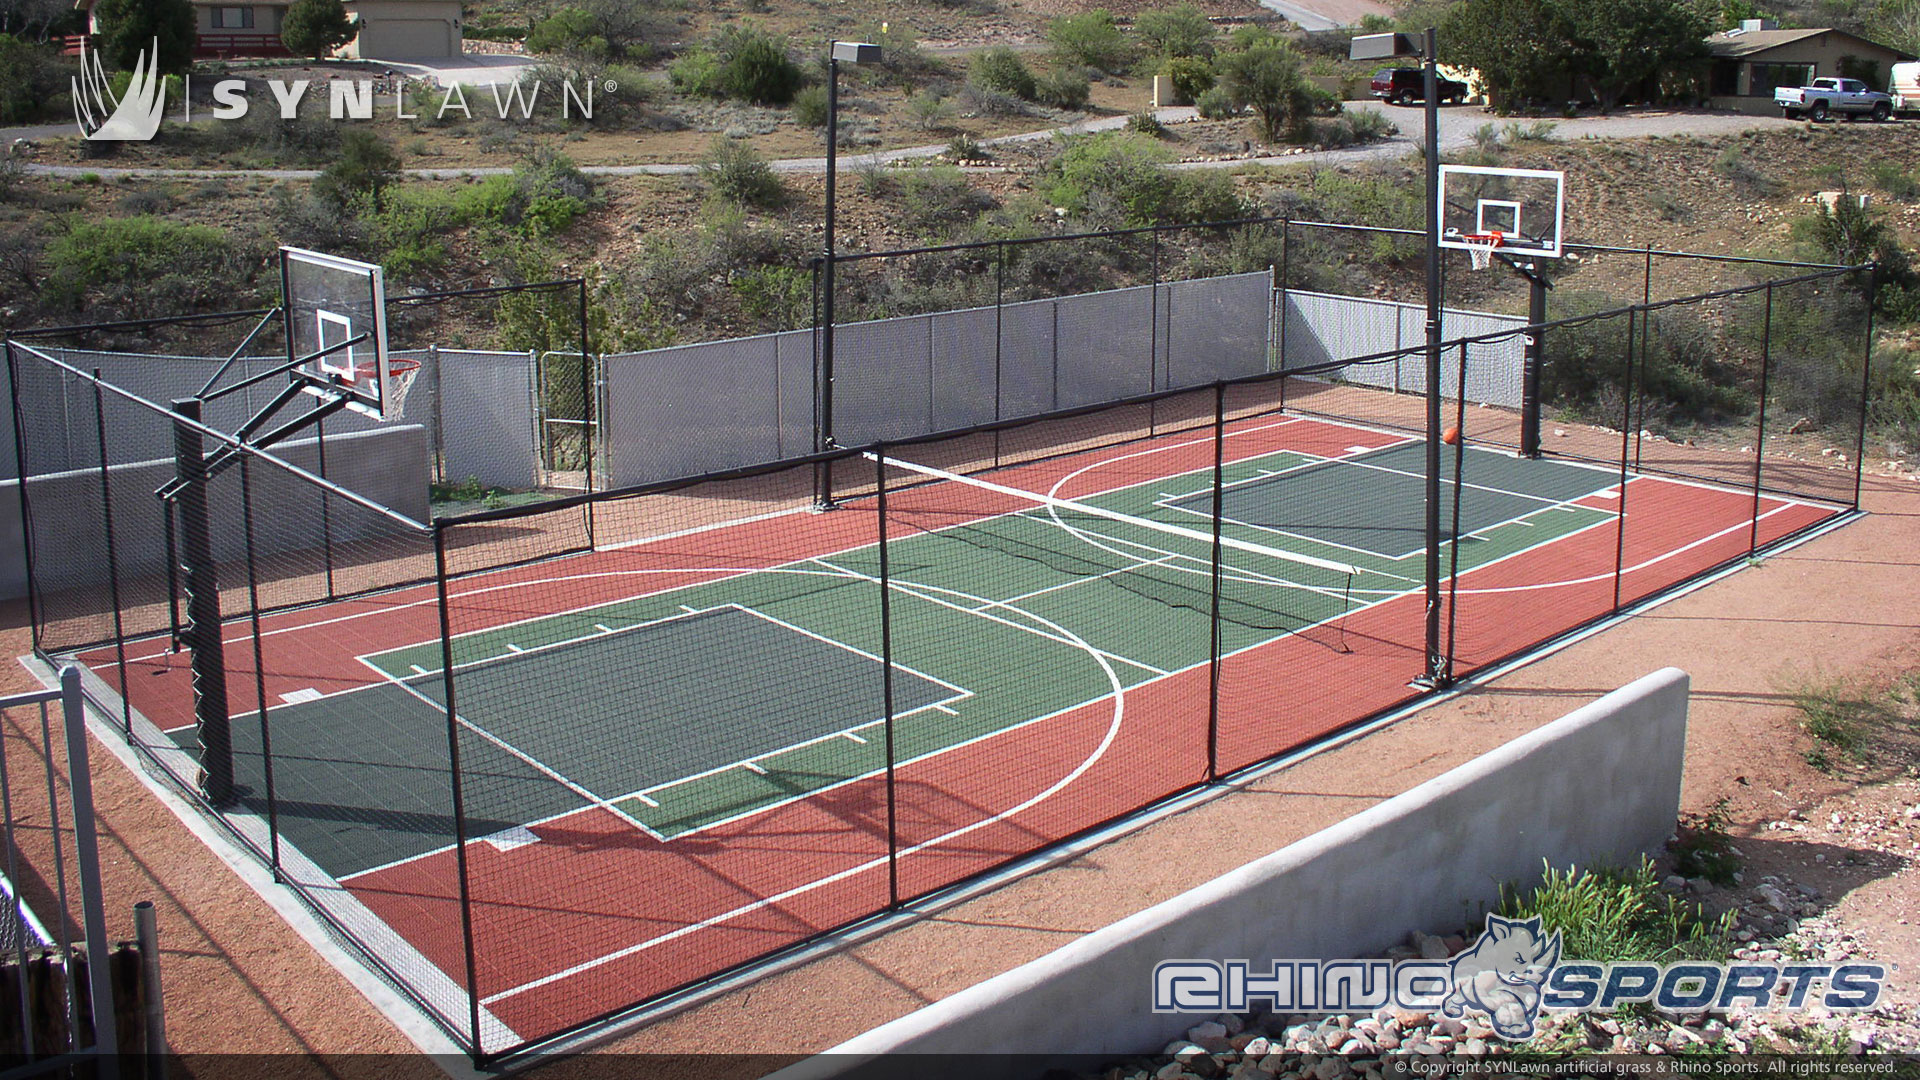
(1480, 247)
(393, 393)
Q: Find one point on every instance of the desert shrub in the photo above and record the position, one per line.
(981, 101)
(937, 201)
(1191, 76)
(1001, 69)
(307, 220)
(34, 82)
(781, 297)
(1063, 88)
(738, 174)
(929, 111)
(1268, 76)
(1147, 124)
(1684, 378)
(810, 107)
(1090, 39)
(134, 267)
(366, 167)
(756, 67)
(699, 73)
(965, 147)
(1181, 30)
(569, 31)
(1216, 104)
(1121, 178)
(1605, 913)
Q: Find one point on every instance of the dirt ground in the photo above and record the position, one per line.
(1846, 605)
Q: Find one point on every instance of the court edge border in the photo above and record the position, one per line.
(410, 1018)
(620, 1023)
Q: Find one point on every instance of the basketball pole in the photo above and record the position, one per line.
(203, 640)
(1437, 674)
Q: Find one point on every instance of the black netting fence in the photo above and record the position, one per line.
(1105, 531)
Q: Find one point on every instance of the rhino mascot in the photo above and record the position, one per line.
(1502, 975)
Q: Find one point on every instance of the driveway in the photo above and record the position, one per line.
(472, 69)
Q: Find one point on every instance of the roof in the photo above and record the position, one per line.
(1742, 43)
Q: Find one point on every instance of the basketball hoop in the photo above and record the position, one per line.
(1480, 247)
(393, 393)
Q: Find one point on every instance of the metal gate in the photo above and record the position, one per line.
(569, 431)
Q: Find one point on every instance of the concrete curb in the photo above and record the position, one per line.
(1601, 783)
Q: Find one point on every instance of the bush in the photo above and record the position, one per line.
(1001, 69)
(1268, 77)
(317, 27)
(929, 111)
(34, 83)
(810, 107)
(128, 26)
(756, 67)
(1121, 178)
(981, 101)
(1216, 104)
(1063, 88)
(364, 169)
(1146, 124)
(1608, 914)
(1090, 40)
(1191, 76)
(1181, 30)
(737, 174)
(965, 147)
(937, 201)
(135, 267)
(699, 73)
(570, 32)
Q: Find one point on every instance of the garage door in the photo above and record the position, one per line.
(395, 39)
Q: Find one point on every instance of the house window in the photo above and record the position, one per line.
(1768, 76)
(233, 18)
(1726, 78)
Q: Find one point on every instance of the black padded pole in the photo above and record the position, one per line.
(202, 632)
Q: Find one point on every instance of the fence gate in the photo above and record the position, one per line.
(568, 430)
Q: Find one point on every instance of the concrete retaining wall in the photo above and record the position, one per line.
(1602, 782)
(388, 465)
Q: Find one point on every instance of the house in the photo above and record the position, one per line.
(1749, 62)
(389, 29)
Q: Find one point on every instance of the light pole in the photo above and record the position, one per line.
(853, 52)
(1385, 47)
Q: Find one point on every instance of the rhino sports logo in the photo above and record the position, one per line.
(1509, 976)
(133, 116)
(1504, 975)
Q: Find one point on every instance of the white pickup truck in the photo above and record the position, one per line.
(1824, 97)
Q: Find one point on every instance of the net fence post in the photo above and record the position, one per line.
(86, 853)
(1627, 388)
(113, 554)
(589, 428)
(1281, 286)
(26, 514)
(259, 663)
(1459, 486)
(886, 675)
(1760, 426)
(1153, 332)
(202, 630)
(999, 315)
(436, 416)
(1213, 618)
(454, 783)
(1872, 274)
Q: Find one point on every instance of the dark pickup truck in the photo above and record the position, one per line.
(1404, 86)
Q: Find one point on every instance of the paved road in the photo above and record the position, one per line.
(1457, 127)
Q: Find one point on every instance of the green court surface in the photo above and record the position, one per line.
(720, 699)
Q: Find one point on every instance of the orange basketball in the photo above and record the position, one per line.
(1451, 436)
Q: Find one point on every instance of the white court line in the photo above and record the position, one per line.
(983, 613)
(1113, 729)
(844, 735)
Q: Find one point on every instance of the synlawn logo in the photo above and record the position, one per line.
(134, 116)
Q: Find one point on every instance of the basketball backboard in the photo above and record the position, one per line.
(331, 302)
(1525, 206)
